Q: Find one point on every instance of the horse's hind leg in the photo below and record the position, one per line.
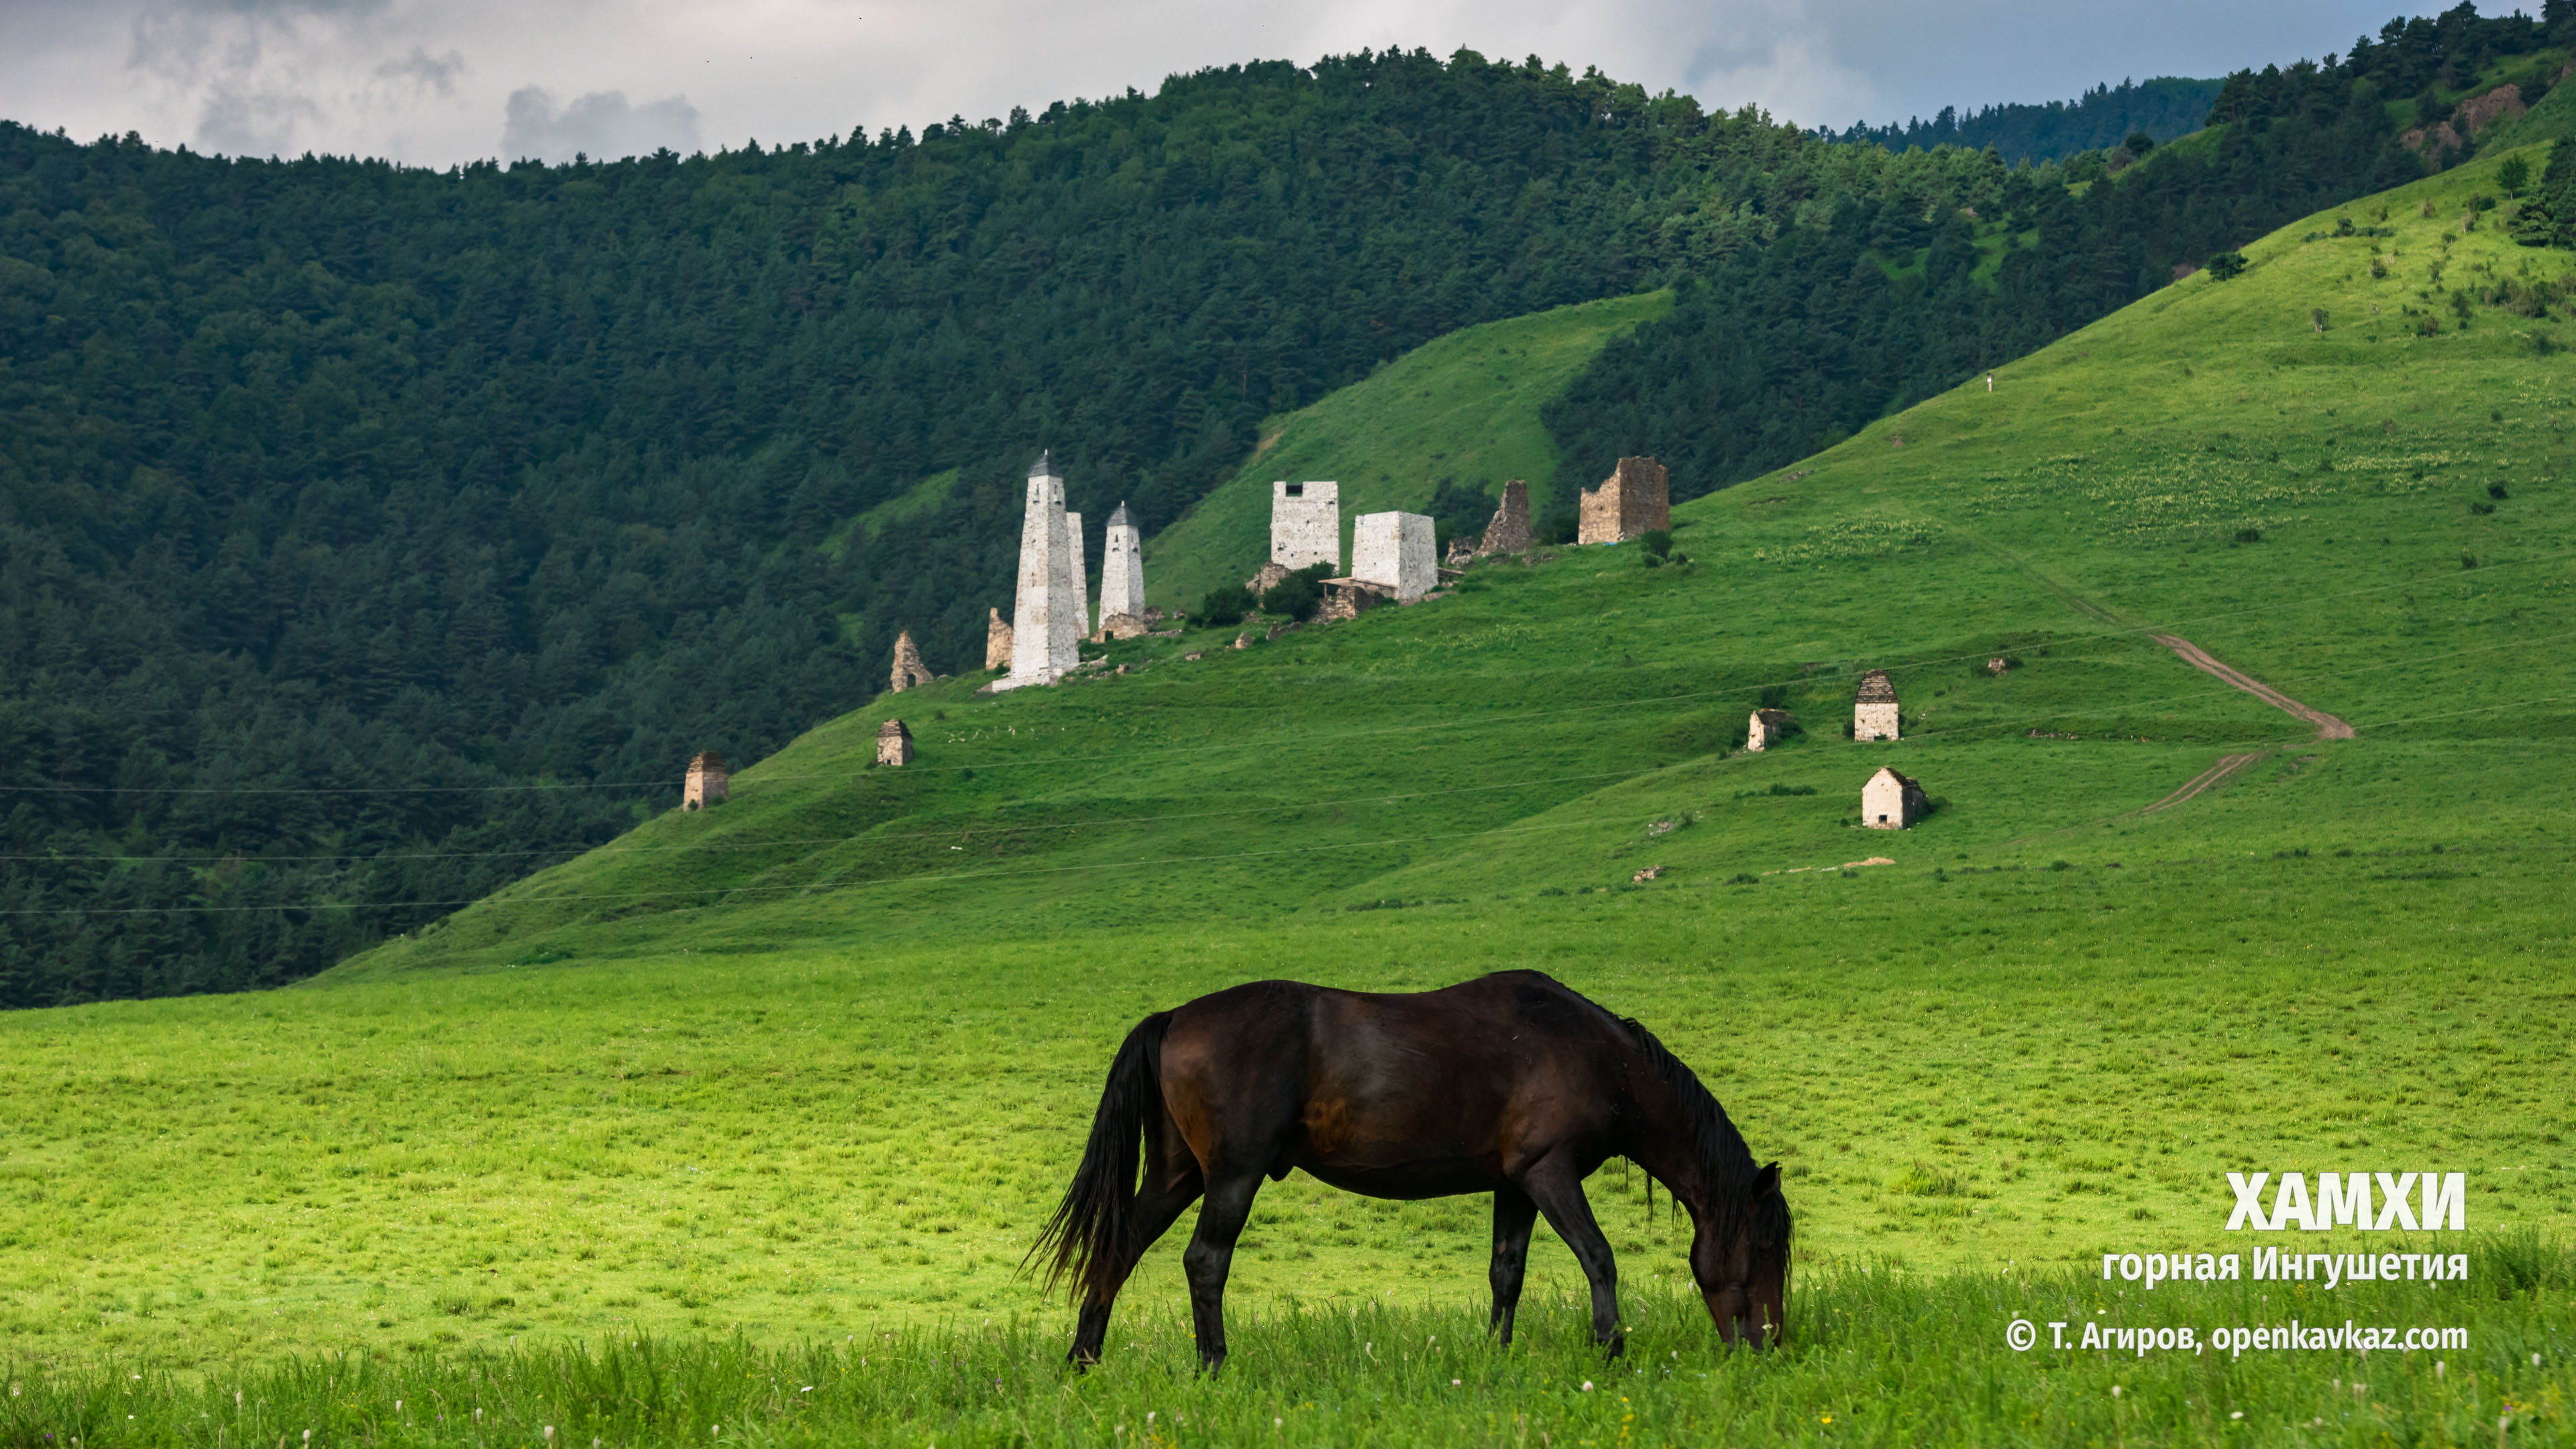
(1210, 1256)
(1514, 1215)
(1560, 1195)
(1158, 1205)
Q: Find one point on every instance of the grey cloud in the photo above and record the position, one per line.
(436, 72)
(601, 125)
(253, 124)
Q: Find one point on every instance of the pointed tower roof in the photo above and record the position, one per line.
(1045, 465)
(1118, 517)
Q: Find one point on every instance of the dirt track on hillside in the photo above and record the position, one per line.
(2328, 727)
(2209, 779)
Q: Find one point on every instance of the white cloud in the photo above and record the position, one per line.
(600, 125)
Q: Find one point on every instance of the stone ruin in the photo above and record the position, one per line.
(1122, 569)
(997, 640)
(1996, 667)
(1046, 612)
(1874, 709)
(894, 743)
(908, 668)
(1305, 525)
(1510, 530)
(1396, 553)
(1890, 801)
(708, 782)
(1271, 576)
(1767, 728)
(1636, 498)
(1461, 553)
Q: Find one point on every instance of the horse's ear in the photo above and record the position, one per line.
(1765, 1183)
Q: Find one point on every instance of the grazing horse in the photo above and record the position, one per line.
(1510, 1084)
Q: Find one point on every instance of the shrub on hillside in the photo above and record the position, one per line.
(1655, 546)
(2226, 265)
(1223, 608)
(1296, 596)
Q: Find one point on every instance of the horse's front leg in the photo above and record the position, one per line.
(1514, 1215)
(1559, 1194)
(1210, 1257)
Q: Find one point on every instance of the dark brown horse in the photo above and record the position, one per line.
(1511, 1084)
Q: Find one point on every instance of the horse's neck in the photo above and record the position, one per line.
(1665, 1144)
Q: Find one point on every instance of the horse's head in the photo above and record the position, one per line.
(1741, 1260)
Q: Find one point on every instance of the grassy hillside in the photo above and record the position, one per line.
(812, 1065)
(1463, 408)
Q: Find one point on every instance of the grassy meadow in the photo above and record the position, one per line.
(741, 1125)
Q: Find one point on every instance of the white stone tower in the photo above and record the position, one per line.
(1081, 576)
(1046, 614)
(1306, 524)
(1122, 568)
(1394, 552)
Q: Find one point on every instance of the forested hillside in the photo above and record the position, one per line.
(1784, 350)
(2100, 119)
(373, 536)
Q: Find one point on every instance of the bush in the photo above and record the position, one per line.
(1559, 528)
(1773, 696)
(2249, 535)
(2139, 143)
(1296, 596)
(1655, 543)
(2226, 265)
(1223, 608)
(2513, 175)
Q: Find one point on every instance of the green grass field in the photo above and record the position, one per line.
(649, 1142)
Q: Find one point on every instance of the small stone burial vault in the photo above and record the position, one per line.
(1636, 498)
(1305, 525)
(1767, 728)
(1890, 801)
(1874, 710)
(1396, 552)
(908, 668)
(707, 783)
(894, 743)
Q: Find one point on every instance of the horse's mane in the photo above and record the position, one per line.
(1720, 1150)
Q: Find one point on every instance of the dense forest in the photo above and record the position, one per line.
(1775, 352)
(370, 536)
(2099, 120)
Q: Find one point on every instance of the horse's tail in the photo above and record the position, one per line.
(1092, 1237)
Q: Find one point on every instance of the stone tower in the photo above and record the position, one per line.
(708, 782)
(1306, 525)
(894, 743)
(1046, 612)
(997, 641)
(1081, 577)
(1874, 709)
(908, 668)
(1122, 569)
(1636, 498)
(1394, 552)
(1510, 530)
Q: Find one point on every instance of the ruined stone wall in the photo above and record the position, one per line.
(1765, 728)
(1397, 552)
(1122, 568)
(997, 641)
(1306, 524)
(908, 668)
(1636, 498)
(1510, 530)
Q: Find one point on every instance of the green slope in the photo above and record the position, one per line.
(815, 1061)
(1463, 408)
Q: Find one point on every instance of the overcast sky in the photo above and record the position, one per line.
(441, 81)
